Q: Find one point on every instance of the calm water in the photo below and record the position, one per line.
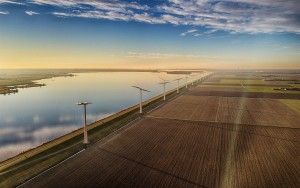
(37, 115)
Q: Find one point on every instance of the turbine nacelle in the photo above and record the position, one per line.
(141, 96)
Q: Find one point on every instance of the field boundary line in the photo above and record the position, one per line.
(160, 117)
(152, 168)
(228, 129)
(263, 126)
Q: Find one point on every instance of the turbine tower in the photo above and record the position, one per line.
(186, 81)
(164, 83)
(178, 79)
(85, 135)
(192, 79)
(141, 97)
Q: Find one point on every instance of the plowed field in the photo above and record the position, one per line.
(238, 110)
(174, 153)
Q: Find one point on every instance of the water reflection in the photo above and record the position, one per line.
(37, 115)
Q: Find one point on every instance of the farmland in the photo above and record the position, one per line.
(253, 111)
(202, 138)
(242, 81)
(256, 82)
(168, 153)
(294, 104)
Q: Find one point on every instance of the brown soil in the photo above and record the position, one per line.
(237, 92)
(251, 111)
(174, 153)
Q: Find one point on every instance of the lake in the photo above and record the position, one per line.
(36, 115)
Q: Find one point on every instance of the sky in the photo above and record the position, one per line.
(152, 34)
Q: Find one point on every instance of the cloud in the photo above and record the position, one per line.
(48, 133)
(65, 118)
(4, 12)
(31, 13)
(16, 140)
(116, 6)
(249, 16)
(14, 149)
(171, 19)
(211, 31)
(233, 16)
(164, 55)
(196, 33)
(10, 2)
(145, 17)
(60, 3)
(188, 32)
(8, 119)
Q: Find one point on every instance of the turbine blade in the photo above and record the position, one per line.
(146, 90)
(140, 88)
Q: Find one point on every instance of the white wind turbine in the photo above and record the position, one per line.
(178, 79)
(85, 135)
(199, 78)
(141, 97)
(195, 78)
(192, 76)
(186, 81)
(164, 83)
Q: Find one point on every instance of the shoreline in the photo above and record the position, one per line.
(12, 85)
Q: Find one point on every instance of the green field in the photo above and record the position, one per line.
(253, 84)
(241, 81)
(263, 89)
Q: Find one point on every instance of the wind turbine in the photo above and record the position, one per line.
(192, 80)
(200, 76)
(141, 97)
(164, 86)
(186, 81)
(85, 135)
(178, 79)
(197, 78)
